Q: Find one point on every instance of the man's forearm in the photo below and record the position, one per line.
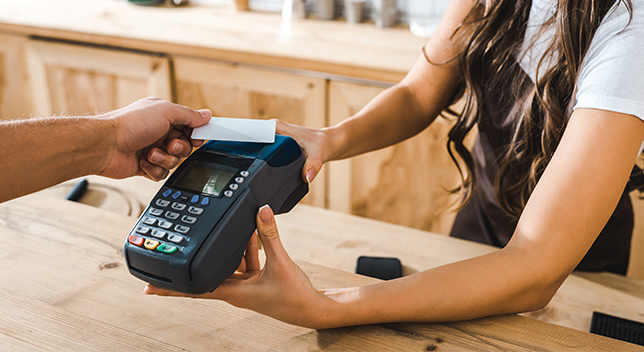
(39, 153)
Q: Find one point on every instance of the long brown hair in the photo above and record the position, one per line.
(491, 38)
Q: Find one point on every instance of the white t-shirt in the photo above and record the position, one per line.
(612, 72)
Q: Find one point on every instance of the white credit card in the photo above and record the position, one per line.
(238, 130)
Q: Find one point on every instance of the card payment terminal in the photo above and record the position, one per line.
(193, 234)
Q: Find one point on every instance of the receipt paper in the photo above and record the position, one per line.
(238, 130)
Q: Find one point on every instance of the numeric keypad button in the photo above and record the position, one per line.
(175, 238)
(195, 210)
(155, 212)
(162, 203)
(142, 230)
(165, 224)
(182, 229)
(148, 221)
(171, 215)
(178, 206)
(188, 219)
(158, 233)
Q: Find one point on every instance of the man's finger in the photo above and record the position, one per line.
(185, 116)
(158, 157)
(178, 144)
(154, 172)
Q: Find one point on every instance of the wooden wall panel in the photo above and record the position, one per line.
(76, 80)
(404, 184)
(15, 96)
(231, 90)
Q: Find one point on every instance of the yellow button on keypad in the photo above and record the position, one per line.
(151, 244)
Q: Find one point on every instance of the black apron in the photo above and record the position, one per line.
(482, 219)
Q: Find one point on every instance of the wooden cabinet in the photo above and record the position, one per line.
(231, 90)
(77, 79)
(404, 184)
(15, 98)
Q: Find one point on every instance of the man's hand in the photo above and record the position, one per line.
(149, 137)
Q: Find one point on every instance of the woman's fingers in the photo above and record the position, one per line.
(307, 139)
(252, 254)
(241, 282)
(250, 261)
(153, 290)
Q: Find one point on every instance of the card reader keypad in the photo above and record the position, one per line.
(166, 223)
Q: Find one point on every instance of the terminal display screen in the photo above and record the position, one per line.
(205, 178)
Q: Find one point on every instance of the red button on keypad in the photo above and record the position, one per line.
(136, 240)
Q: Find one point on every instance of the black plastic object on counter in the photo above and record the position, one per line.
(617, 328)
(379, 267)
(78, 191)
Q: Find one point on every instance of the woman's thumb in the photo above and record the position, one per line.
(267, 231)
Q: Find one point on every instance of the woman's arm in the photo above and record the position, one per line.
(146, 138)
(572, 202)
(399, 112)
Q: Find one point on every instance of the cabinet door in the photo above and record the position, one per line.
(76, 79)
(231, 90)
(404, 184)
(15, 97)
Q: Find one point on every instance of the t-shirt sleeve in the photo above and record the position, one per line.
(612, 73)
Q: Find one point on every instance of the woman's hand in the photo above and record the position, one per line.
(280, 290)
(315, 143)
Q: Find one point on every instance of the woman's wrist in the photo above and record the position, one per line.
(339, 308)
(336, 137)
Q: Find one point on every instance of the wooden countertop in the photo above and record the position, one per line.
(336, 240)
(333, 47)
(64, 286)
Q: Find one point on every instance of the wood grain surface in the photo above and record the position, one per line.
(64, 286)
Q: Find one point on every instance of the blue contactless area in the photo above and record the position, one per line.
(288, 149)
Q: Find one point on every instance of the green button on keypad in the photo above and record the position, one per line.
(166, 248)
